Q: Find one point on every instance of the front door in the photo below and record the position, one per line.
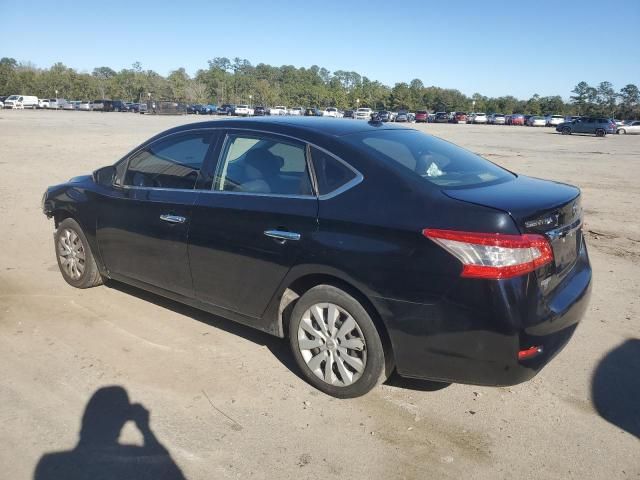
(247, 232)
(144, 221)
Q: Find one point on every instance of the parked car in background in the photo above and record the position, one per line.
(517, 119)
(71, 105)
(537, 121)
(119, 106)
(144, 108)
(630, 127)
(526, 119)
(441, 117)
(260, 111)
(332, 112)
(385, 116)
(480, 117)
(20, 102)
(554, 120)
(312, 112)
(459, 117)
(363, 113)
(84, 105)
(297, 111)
(226, 109)
(422, 116)
(597, 126)
(349, 114)
(199, 109)
(1, 103)
(243, 111)
(278, 110)
(402, 116)
(98, 105)
(497, 119)
(43, 103)
(406, 253)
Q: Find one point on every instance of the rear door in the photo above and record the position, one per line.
(249, 229)
(144, 220)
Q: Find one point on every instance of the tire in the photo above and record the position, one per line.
(70, 245)
(566, 130)
(622, 131)
(600, 132)
(365, 367)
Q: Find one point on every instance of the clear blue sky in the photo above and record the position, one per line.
(492, 47)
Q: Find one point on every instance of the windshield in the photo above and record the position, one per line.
(13, 97)
(439, 162)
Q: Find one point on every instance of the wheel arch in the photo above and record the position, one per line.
(297, 286)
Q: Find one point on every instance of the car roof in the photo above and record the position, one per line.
(315, 125)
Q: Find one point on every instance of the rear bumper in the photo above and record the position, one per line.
(474, 334)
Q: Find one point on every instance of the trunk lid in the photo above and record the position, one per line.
(537, 206)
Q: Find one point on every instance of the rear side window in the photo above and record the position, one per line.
(171, 163)
(436, 161)
(331, 173)
(265, 165)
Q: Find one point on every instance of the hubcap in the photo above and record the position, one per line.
(332, 344)
(71, 254)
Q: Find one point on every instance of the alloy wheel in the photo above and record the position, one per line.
(332, 344)
(71, 253)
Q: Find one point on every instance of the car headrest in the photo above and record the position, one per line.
(261, 163)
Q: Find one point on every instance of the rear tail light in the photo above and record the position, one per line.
(530, 352)
(493, 255)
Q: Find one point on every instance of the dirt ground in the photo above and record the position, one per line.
(226, 402)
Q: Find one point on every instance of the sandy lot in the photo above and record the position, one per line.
(225, 400)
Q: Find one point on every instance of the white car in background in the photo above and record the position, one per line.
(332, 112)
(243, 110)
(363, 113)
(57, 103)
(480, 118)
(71, 105)
(278, 110)
(21, 102)
(497, 119)
(86, 106)
(537, 121)
(43, 103)
(296, 111)
(554, 120)
(631, 128)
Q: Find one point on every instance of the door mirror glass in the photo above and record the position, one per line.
(104, 176)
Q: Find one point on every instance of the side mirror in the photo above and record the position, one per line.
(105, 176)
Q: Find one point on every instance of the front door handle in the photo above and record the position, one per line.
(173, 218)
(282, 235)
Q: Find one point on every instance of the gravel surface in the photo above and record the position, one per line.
(226, 402)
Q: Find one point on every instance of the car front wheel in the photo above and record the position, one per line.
(600, 132)
(335, 343)
(75, 260)
(622, 131)
(566, 131)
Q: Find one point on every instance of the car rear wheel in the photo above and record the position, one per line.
(335, 343)
(75, 260)
(600, 132)
(566, 131)
(622, 131)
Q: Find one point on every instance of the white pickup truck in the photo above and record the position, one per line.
(243, 110)
(278, 110)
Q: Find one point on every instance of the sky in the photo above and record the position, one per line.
(491, 47)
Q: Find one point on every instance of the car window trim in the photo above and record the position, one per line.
(221, 161)
(127, 159)
(215, 161)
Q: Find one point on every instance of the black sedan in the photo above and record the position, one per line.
(370, 246)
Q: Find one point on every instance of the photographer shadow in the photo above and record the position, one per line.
(99, 456)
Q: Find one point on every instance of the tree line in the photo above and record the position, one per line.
(238, 81)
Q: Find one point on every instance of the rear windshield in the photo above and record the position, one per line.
(436, 161)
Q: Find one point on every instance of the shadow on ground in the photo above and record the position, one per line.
(615, 387)
(98, 454)
(277, 346)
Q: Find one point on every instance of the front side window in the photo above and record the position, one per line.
(170, 163)
(436, 161)
(257, 164)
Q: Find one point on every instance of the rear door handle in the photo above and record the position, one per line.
(173, 218)
(282, 235)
